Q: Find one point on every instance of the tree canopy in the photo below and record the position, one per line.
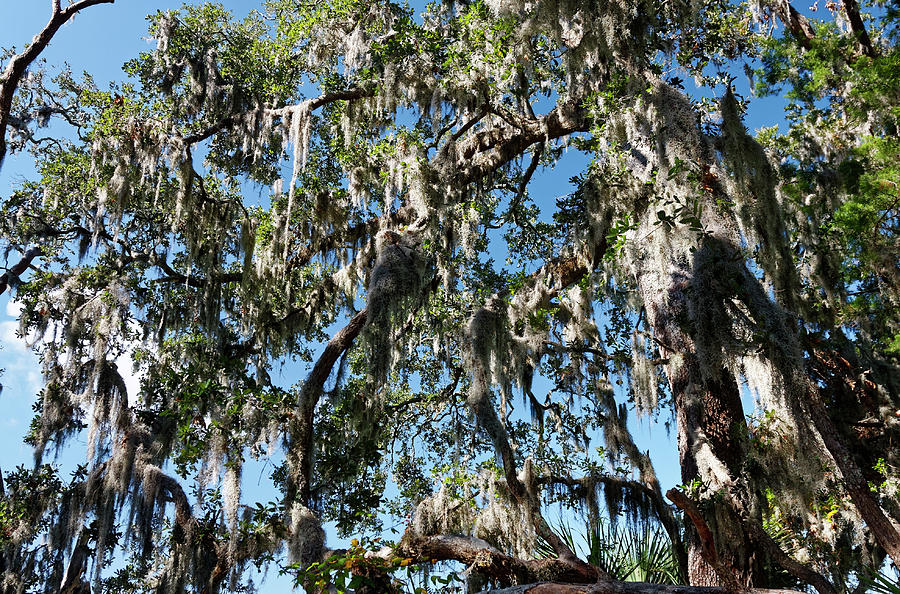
(346, 187)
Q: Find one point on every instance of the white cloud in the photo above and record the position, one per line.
(13, 345)
(13, 309)
(21, 381)
(132, 380)
(22, 378)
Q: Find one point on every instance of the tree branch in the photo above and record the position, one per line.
(706, 540)
(614, 587)
(858, 28)
(762, 540)
(487, 560)
(300, 453)
(882, 528)
(479, 401)
(797, 24)
(19, 63)
(72, 583)
(309, 104)
(13, 274)
(488, 150)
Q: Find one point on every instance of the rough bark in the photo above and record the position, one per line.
(858, 28)
(73, 582)
(766, 543)
(797, 24)
(707, 542)
(707, 412)
(884, 531)
(783, 340)
(532, 576)
(490, 562)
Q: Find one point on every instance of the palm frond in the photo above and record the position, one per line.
(879, 583)
(628, 552)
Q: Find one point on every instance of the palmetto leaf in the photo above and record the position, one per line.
(628, 552)
(880, 583)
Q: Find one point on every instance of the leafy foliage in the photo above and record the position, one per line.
(313, 238)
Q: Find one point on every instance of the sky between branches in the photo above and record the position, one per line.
(99, 41)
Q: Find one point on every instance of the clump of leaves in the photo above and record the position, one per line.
(360, 567)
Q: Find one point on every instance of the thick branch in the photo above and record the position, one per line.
(301, 431)
(765, 542)
(479, 401)
(184, 517)
(802, 31)
(18, 64)
(352, 234)
(797, 24)
(72, 583)
(882, 528)
(488, 150)
(21, 266)
(533, 575)
(706, 540)
(784, 341)
(857, 27)
(487, 560)
(613, 587)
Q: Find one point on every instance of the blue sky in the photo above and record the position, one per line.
(99, 41)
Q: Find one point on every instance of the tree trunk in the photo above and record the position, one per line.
(709, 416)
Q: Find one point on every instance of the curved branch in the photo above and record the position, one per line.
(300, 453)
(19, 63)
(488, 150)
(762, 540)
(489, 561)
(479, 401)
(706, 540)
(539, 576)
(12, 275)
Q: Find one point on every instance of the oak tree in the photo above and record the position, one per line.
(347, 188)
